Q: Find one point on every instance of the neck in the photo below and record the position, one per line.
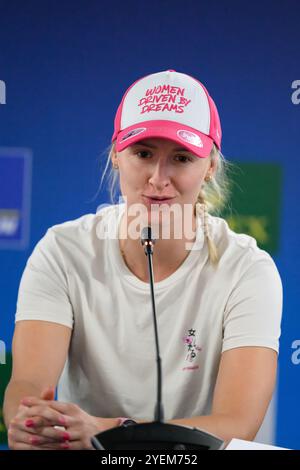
(168, 254)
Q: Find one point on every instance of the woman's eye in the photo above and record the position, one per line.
(183, 158)
(142, 153)
(145, 154)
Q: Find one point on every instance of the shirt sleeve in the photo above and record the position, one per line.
(43, 290)
(254, 308)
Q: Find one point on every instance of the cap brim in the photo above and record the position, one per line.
(196, 142)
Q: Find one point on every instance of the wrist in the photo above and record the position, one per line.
(104, 424)
(126, 421)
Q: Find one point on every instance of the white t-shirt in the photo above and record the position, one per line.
(77, 277)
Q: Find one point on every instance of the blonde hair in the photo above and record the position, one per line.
(212, 198)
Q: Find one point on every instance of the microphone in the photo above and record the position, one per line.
(156, 435)
(148, 242)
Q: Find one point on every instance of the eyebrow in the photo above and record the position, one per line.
(177, 149)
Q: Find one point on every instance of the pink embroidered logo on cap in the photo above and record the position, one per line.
(133, 133)
(164, 98)
(190, 137)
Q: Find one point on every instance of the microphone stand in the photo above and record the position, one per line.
(148, 242)
(156, 435)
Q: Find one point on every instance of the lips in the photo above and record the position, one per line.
(158, 199)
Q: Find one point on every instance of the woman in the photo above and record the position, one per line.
(84, 317)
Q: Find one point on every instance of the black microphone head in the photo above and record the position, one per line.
(146, 235)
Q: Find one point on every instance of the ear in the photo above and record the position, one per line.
(114, 156)
(214, 161)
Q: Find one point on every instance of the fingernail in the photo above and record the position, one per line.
(62, 420)
(34, 440)
(66, 436)
(29, 423)
(65, 445)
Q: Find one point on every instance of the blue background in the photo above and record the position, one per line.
(15, 196)
(66, 65)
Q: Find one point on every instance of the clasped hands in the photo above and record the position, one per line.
(44, 424)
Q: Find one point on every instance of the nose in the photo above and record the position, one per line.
(160, 175)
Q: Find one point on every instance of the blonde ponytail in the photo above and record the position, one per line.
(213, 197)
(201, 210)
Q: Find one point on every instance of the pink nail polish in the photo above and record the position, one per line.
(29, 423)
(65, 445)
(62, 421)
(34, 440)
(66, 436)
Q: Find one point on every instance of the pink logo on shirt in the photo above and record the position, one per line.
(192, 349)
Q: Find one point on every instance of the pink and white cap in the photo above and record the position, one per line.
(169, 105)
